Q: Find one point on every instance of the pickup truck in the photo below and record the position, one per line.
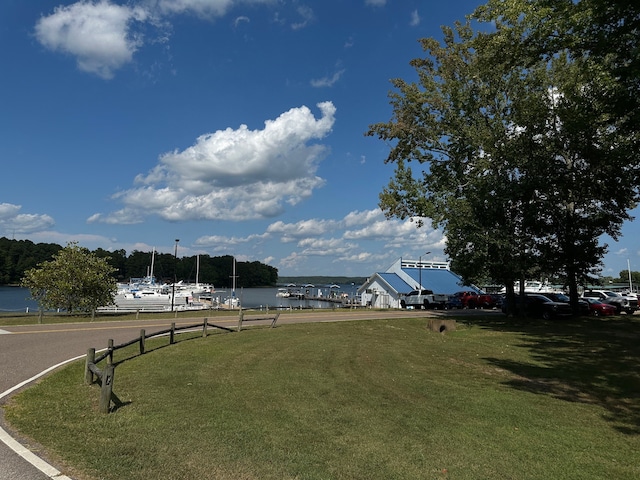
(623, 303)
(423, 299)
(471, 299)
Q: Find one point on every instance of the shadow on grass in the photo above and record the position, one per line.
(588, 360)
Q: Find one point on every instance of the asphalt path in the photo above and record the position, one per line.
(28, 351)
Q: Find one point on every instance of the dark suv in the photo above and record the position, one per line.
(561, 297)
(536, 305)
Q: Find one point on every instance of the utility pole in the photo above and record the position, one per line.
(420, 269)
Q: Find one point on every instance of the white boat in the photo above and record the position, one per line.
(534, 286)
(152, 301)
(145, 295)
(291, 291)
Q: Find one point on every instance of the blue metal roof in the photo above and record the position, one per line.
(438, 280)
(396, 282)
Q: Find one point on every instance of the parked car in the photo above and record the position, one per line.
(537, 305)
(597, 308)
(471, 299)
(487, 300)
(463, 299)
(561, 297)
(454, 302)
(424, 299)
(623, 303)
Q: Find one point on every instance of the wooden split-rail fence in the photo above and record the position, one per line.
(105, 375)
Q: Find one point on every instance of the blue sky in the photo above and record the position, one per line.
(236, 126)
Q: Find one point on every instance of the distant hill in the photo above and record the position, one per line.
(322, 280)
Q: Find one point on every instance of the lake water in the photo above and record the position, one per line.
(17, 299)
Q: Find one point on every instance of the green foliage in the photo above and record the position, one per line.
(213, 270)
(75, 280)
(524, 162)
(18, 256)
(604, 31)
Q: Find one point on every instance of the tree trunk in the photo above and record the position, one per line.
(572, 283)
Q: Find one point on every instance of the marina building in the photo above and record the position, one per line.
(386, 289)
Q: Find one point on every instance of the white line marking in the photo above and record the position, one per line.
(20, 449)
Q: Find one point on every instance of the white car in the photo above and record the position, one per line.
(623, 303)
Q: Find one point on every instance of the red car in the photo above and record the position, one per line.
(598, 308)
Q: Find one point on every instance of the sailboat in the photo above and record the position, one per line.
(145, 295)
(233, 301)
(194, 289)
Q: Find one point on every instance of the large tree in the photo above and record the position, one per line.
(606, 31)
(523, 164)
(75, 280)
(458, 124)
(583, 132)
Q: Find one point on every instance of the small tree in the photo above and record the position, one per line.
(75, 280)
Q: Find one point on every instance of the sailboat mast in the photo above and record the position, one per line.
(197, 271)
(153, 259)
(234, 277)
(233, 285)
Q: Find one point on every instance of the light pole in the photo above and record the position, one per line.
(175, 274)
(420, 269)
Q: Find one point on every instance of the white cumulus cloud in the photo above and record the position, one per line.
(232, 174)
(12, 221)
(103, 36)
(304, 229)
(97, 34)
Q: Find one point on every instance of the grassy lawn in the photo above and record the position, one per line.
(357, 400)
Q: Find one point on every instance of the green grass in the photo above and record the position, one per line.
(357, 400)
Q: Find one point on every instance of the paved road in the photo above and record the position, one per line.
(26, 351)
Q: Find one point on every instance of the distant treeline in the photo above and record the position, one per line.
(17, 256)
(320, 280)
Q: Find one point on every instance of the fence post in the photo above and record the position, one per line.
(172, 333)
(88, 374)
(107, 388)
(110, 348)
(204, 327)
(240, 318)
(142, 335)
(137, 313)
